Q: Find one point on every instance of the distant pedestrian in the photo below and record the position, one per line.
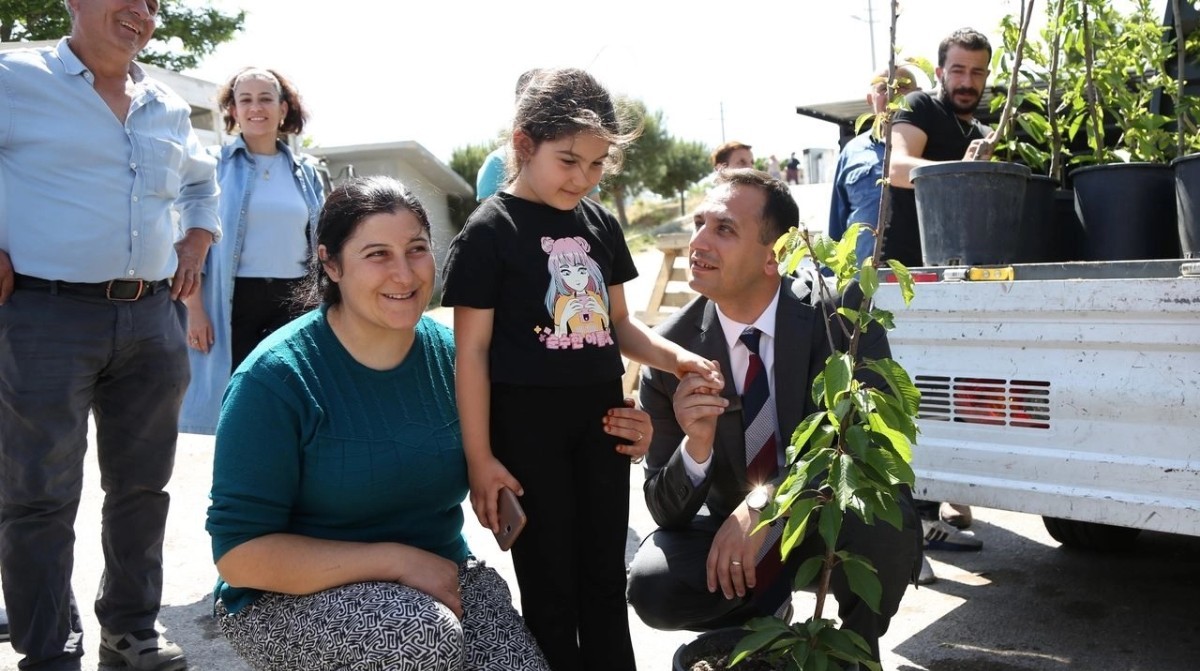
(793, 169)
(773, 168)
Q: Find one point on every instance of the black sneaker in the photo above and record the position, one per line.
(145, 650)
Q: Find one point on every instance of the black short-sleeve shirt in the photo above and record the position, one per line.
(545, 272)
(946, 139)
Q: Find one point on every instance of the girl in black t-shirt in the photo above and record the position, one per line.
(535, 279)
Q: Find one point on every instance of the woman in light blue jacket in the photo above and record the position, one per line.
(270, 201)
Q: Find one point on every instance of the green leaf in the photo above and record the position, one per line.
(893, 414)
(806, 429)
(752, 643)
(807, 572)
(899, 383)
(839, 370)
(857, 440)
(869, 279)
(829, 525)
(891, 439)
(863, 580)
(884, 317)
(796, 527)
(904, 279)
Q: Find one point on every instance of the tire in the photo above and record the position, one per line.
(1090, 535)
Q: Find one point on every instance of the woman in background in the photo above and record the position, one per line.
(270, 201)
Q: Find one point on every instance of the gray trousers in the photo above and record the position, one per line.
(61, 356)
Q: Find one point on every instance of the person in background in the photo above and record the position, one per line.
(94, 154)
(938, 127)
(339, 475)
(270, 200)
(732, 154)
(773, 168)
(536, 399)
(493, 174)
(856, 181)
(716, 457)
(793, 169)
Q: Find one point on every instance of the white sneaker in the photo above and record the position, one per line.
(942, 536)
(926, 577)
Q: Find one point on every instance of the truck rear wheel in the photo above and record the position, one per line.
(1090, 535)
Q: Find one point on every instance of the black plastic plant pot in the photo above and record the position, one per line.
(1187, 203)
(1037, 221)
(711, 645)
(1127, 211)
(970, 212)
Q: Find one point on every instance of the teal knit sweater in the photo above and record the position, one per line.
(312, 442)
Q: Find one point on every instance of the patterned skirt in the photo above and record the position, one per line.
(384, 626)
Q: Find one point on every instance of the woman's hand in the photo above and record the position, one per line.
(200, 330)
(633, 424)
(434, 575)
(487, 476)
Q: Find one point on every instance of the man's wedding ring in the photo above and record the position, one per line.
(735, 563)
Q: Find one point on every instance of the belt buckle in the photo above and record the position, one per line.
(108, 290)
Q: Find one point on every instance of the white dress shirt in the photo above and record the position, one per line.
(739, 360)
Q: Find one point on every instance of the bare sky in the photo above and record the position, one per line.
(441, 72)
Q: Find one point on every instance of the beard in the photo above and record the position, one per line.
(947, 97)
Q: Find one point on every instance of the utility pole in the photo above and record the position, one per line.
(871, 28)
(722, 122)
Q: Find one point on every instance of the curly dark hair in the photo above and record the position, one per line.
(293, 121)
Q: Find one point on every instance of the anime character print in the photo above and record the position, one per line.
(577, 298)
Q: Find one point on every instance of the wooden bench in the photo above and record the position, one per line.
(670, 293)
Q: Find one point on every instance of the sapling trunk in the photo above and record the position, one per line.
(1180, 82)
(1009, 100)
(1056, 162)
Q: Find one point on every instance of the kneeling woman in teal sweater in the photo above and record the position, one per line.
(339, 474)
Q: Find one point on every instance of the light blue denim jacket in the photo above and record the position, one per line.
(210, 372)
(856, 191)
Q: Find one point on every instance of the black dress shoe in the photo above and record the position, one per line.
(3, 626)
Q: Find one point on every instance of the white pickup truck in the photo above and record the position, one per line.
(1068, 390)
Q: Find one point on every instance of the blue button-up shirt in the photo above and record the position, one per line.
(88, 198)
(856, 191)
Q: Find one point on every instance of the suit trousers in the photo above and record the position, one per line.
(570, 559)
(61, 356)
(668, 578)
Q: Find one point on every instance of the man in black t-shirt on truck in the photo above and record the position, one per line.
(932, 128)
(937, 127)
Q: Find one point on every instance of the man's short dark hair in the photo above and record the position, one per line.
(722, 154)
(967, 38)
(780, 212)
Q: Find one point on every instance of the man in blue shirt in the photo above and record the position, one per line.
(93, 156)
(856, 187)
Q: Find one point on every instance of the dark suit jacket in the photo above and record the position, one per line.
(801, 347)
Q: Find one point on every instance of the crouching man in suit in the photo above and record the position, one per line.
(716, 455)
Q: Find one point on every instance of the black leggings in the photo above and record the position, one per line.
(570, 559)
(260, 306)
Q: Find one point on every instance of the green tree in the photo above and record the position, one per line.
(185, 34)
(643, 159)
(684, 164)
(466, 161)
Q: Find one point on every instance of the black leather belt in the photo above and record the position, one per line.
(113, 290)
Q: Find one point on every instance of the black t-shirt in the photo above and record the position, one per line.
(946, 139)
(546, 273)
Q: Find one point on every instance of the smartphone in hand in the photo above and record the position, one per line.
(512, 519)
